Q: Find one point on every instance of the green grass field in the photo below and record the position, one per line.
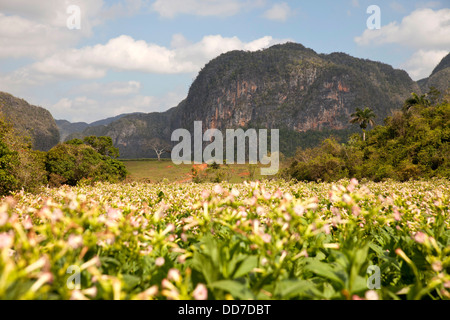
(152, 170)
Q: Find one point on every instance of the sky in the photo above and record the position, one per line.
(86, 60)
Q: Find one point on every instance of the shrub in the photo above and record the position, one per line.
(21, 167)
(71, 162)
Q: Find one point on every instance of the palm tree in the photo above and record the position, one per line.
(363, 118)
(416, 100)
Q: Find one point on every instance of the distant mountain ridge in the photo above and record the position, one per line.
(287, 87)
(32, 121)
(306, 95)
(67, 128)
(439, 78)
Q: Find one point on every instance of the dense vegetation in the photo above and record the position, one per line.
(269, 240)
(91, 159)
(21, 167)
(32, 121)
(413, 143)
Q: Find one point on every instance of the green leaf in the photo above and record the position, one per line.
(247, 264)
(235, 288)
(291, 288)
(130, 281)
(324, 270)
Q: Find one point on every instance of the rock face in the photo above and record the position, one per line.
(32, 121)
(291, 87)
(287, 87)
(439, 78)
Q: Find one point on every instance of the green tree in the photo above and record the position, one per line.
(69, 163)
(103, 145)
(434, 96)
(416, 100)
(24, 164)
(8, 181)
(363, 118)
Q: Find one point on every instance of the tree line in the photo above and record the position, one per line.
(89, 160)
(413, 143)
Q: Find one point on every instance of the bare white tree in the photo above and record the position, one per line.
(160, 147)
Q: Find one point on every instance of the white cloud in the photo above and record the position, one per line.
(35, 29)
(172, 8)
(278, 12)
(54, 12)
(20, 37)
(126, 54)
(422, 62)
(83, 108)
(108, 89)
(423, 28)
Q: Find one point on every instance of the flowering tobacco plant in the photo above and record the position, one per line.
(259, 240)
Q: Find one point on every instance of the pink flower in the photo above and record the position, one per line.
(57, 215)
(235, 192)
(372, 295)
(420, 237)
(77, 295)
(397, 215)
(356, 211)
(170, 228)
(3, 218)
(92, 292)
(174, 275)
(74, 241)
(27, 223)
(347, 199)
(437, 266)
(160, 261)
(299, 210)
(200, 292)
(266, 238)
(205, 194)
(352, 185)
(114, 214)
(6, 240)
(326, 229)
(287, 196)
(218, 189)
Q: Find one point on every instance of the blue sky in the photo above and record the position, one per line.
(142, 55)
